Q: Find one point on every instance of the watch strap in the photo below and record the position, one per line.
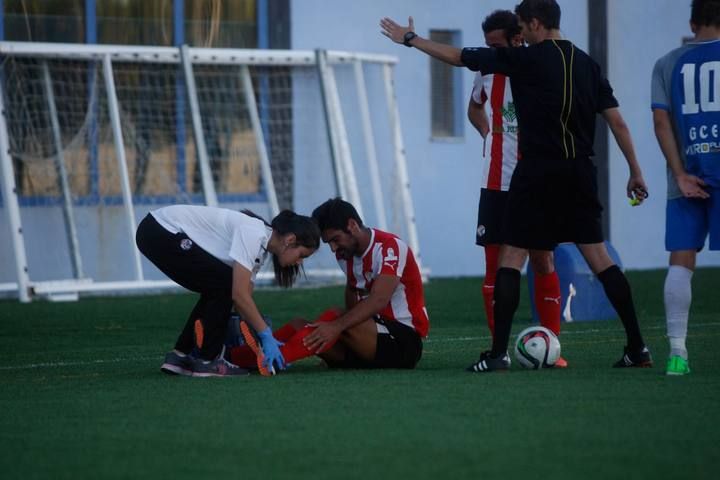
(407, 38)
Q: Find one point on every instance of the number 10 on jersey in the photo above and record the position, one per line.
(709, 82)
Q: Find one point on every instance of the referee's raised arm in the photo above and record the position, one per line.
(408, 37)
(474, 58)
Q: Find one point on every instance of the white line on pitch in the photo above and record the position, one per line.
(431, 340)
(76, 364)
(565, 333)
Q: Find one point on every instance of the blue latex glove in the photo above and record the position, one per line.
(271, 350)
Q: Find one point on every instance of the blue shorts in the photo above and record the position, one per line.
(689, 222)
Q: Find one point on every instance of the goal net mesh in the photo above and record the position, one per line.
(58, 115)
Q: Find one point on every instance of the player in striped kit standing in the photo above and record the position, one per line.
(492, 94)
(384, 320)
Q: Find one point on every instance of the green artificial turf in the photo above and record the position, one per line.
(82, 397)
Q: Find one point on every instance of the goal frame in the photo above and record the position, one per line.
(26, 288)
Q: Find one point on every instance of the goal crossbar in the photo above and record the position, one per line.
(222, 56)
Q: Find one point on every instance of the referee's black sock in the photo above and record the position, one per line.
(507, 297)
(618, 292)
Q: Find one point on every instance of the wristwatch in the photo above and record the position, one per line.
(408, 37)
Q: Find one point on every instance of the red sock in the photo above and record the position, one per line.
(547, 301)
(244, 357)
(285, 332)
(329, 315)
(488, 288)
(293, 349)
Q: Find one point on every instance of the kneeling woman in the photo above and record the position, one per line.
(217, 253)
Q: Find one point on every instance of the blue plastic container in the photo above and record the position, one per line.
(589, 301)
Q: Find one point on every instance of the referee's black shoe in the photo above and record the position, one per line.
(487, 363)
(639, 358)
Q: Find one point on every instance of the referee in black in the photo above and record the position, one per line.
(558, 90)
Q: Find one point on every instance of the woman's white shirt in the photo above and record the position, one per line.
(228, 235)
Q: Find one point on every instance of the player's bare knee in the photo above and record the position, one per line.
(542, 262)
(334, 356)
(352, 333)
(596, 256)
(364, 333)
(684, 258)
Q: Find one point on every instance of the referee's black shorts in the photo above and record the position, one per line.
(551, 202)
(491, 213)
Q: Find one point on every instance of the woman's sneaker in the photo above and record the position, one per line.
(178, 364)
(487, 363)
(677, 365)
(217, 368)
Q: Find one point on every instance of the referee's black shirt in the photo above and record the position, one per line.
(557, 89)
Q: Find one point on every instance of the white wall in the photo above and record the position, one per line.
(444, 176)
(640, 32)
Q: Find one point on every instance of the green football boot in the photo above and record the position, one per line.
(677, 365)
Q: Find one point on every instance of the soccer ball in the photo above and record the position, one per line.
(536, 348)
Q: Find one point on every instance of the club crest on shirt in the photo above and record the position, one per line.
(390, 259)
(509, 112)
(256, 266)
(186, 244)
(481, 230)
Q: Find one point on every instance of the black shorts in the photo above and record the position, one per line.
(491, 212)
(183, 260)
(552, 203)
(401, 347)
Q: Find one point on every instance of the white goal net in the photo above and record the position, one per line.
(94, 137)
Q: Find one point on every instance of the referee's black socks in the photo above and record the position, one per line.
(507, 298)
(618, 292)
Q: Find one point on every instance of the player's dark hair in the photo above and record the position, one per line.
(504, 20)
(705, 13)
(306, 234)
(546, 11)
(335, 214)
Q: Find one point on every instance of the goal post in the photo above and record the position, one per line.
(93, 137)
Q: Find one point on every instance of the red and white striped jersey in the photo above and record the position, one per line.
(501, 152)
(389, 255)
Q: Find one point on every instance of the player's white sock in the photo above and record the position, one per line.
(678, 295)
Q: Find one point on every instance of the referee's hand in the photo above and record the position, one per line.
(396, 32)
(637, 190)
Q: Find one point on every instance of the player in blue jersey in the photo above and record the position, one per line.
(686, 114)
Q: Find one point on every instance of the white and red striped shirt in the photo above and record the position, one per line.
(502, 152)
(388, 255)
